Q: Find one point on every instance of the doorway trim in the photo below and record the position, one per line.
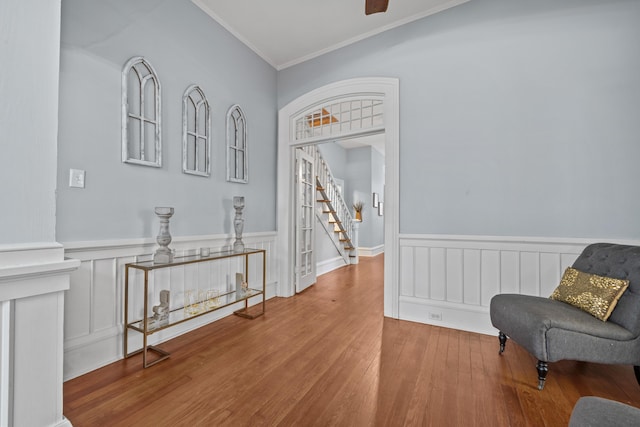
(389, 88)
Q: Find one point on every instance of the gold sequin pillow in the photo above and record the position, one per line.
(597, 295)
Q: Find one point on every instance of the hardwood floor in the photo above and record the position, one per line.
(328, 357)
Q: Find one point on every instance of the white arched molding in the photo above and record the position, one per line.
(309, 108)
(141, 114)
(196, 132)
(237, 147)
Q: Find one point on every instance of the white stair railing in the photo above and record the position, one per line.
(335, 206)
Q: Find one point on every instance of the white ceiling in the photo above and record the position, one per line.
(375, 141)
(287, 32)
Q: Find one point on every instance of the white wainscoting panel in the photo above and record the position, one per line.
(450, 280)
(94, 304)
(376, 250)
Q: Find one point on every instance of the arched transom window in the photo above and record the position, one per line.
(342, 117)
(141, 114)
(237, 153)
(196, 138)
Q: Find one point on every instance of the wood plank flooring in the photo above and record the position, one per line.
(328, 357)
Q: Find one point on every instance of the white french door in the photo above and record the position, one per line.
(305, 204)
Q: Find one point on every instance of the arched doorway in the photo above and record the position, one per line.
(290, 137)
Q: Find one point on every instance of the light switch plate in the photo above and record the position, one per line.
(76, 178)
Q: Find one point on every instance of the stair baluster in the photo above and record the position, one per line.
(336, 208)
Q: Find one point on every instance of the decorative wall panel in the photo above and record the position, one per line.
(450, 280)
(94, 302)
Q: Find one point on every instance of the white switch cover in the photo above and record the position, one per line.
(76, 178)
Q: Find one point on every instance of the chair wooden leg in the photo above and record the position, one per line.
(636, 370)
(503, 340)
(542, 373)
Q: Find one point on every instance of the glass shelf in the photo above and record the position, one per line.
(183, 314)
(191, 259)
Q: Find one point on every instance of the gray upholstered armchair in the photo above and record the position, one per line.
(553, 330)
(599, 412)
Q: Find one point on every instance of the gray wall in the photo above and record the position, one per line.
(336, 156)
(185, 47)
(365, 176)
(376, 230)
(29, 58)
(516, 117)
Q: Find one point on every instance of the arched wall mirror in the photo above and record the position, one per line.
(141, 114)
(196, 132)
(237, 149)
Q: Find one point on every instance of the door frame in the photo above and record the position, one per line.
(389, 88)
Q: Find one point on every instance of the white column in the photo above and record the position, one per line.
(5, 362)
(355, 228)
(33, 279)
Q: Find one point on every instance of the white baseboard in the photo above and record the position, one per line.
(324, 267)
(376, 250)
(454, 316)
(64, 423)
(92, 354)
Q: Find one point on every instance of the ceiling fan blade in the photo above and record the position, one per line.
(375, 6)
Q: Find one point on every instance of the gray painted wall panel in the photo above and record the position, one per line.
(358, 185)
(336, 157)
(516, 117)
(377, 186)
(29, 54)
(185, 47)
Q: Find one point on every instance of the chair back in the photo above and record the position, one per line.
(618, 262)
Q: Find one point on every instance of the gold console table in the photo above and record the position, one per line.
(148, 326)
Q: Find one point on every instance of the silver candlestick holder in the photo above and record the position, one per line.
(238, 223)
(163, 254)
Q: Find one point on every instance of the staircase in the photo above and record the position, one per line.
(334, 215)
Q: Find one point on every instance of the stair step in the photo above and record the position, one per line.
(349, 248)
(323, 201)
(336, 221)
(319, 188)
(331, 211)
